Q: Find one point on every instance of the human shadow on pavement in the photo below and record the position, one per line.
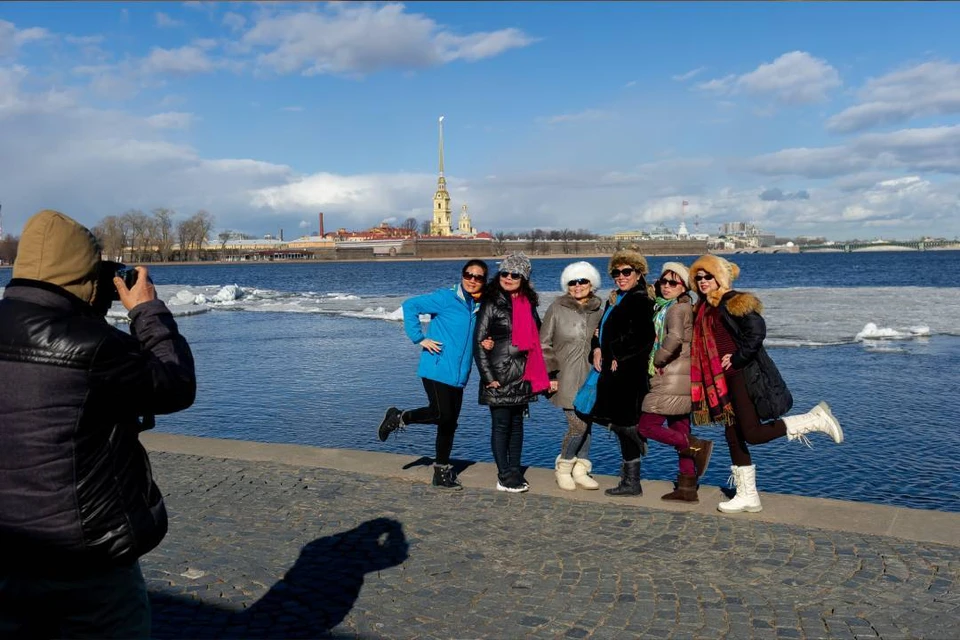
(311, 600)
(459, 466)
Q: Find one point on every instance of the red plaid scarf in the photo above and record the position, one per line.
(708, 386)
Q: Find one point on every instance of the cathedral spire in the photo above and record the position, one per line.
(441, 146)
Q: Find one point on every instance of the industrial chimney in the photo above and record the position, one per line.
(321, 225)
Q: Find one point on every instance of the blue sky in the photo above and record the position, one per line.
(835, 119)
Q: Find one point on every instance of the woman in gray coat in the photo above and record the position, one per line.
(669, 368)
(568, 327)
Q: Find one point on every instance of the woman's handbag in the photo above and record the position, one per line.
(766, 387)
(587, 395)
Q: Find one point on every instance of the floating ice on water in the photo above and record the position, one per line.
(871, 331)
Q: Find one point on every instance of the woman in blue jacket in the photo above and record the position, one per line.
(444, 364)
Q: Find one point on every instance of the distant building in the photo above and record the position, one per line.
(442, 223)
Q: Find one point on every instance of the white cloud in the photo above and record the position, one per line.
(933, 149)
(928, 89)
(171, 120)
(11, 38)
(293, 108)
(364, 38)
(683, 77)
(164, 21)
(234, 21)
(794, 78)
(183, 60)
(587, 115)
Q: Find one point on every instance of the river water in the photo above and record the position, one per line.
(313, 353)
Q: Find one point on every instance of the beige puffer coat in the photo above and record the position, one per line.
(670, 385)
(565, 338)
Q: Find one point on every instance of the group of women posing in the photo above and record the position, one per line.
(640, 363)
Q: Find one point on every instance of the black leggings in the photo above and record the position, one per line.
(747, 428)
(443, 411)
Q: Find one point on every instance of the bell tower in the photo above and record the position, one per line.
(464, 227)
(442, 214)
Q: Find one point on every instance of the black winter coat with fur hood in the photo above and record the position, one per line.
(740, 314)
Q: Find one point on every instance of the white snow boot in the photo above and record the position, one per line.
(564, 470)
(819, 419)
(581, 474)
(747, 498)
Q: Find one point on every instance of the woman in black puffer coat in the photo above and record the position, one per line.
(513, 372)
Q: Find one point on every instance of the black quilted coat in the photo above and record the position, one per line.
(504, 363)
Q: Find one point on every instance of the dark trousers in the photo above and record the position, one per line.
(747, 428)
(506, 438)
(631, 443)
(443, 411)
(109, 603)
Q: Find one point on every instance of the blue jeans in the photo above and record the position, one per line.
(506, 439)
(109, 603)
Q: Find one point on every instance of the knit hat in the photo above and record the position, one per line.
(723, 270)
(630, 257)
(678, 269)
(57, 249)
(579, 270)
(517, 262)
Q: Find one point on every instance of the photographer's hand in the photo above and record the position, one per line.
(142, 291)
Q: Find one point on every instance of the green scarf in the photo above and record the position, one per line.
(659, 316)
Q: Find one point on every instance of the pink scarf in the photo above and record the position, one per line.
(526, 338)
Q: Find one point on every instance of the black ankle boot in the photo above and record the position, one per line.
(444, 478)
(392, 421)
(629, 480)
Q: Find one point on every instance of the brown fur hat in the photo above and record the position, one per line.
(629, 256)
(723, 270)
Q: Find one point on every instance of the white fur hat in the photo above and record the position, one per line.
(579, 270)
(678, 269)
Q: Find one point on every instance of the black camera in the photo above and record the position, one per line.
(110, 270)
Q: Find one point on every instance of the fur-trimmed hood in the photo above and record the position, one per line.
(723, 270)
(741, 303)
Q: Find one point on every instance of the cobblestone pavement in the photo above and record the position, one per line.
(267, 550)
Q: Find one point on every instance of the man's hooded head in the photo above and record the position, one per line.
(57, 249)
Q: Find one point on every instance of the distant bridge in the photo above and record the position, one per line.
(910, 245)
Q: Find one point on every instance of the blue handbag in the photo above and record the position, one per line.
(587, 395)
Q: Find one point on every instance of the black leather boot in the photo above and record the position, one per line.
(444, 478)
(629, 480)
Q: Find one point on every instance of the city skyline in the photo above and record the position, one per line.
(828, 120)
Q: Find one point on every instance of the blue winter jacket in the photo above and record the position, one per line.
(453, 315)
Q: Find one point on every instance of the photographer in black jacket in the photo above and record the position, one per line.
(78, 505)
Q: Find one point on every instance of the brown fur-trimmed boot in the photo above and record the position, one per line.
(686, 490)
(700, 451)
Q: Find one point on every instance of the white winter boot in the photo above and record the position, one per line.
(747, 498)
(564, 469)
(817, 419)
(581, 474)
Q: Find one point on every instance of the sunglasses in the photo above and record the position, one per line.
(667, 282)
(625, 272)
(708, 276)
(580, 281)
(513, 275)
(475, 277)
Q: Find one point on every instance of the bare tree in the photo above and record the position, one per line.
(8, 249)
(184, 233)
(109, 233)
(410, 224)
(224, 237)
(500, 242)
(425, 228)
(163, 232)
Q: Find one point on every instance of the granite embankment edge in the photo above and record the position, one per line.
(855, 517)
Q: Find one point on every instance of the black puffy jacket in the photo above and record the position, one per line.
(504, 363)
(740, 314)
(76, 489)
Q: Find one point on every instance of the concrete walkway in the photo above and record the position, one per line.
(291, 541)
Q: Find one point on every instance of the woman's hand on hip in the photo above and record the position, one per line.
(431, 345)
